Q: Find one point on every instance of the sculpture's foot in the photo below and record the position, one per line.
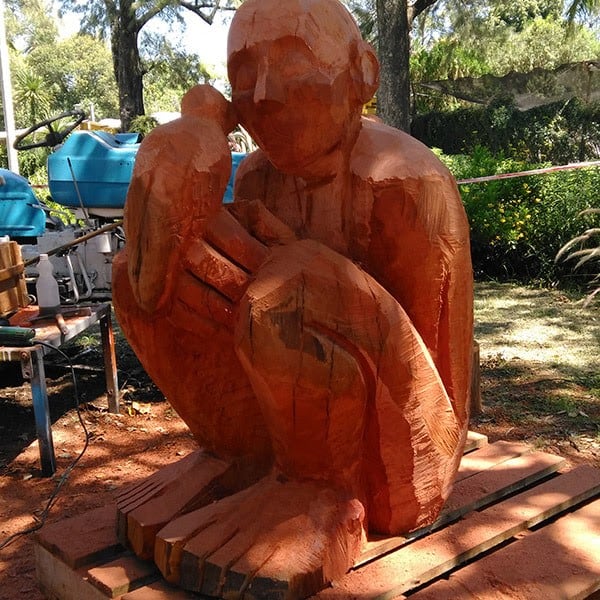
(195, 481)
(276, 539)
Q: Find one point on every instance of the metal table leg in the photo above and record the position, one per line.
(32, 366)
(110, 361)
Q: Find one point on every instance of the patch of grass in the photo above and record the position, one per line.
(537, 325)
(540, 368)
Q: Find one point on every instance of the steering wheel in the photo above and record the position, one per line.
(53, 137)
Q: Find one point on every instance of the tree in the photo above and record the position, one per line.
(169, 73)
(123, 21)
(583, 8)
(77, 70)
(32, 96)
(395, 19)
(29, 23)
(471, 40)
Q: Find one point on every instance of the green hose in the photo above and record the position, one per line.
(16, 336)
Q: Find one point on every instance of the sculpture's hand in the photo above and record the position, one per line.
(171, 195)
(221, 261)
(180, 174)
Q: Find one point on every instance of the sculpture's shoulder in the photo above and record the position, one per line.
(383, 155)
(411, 187)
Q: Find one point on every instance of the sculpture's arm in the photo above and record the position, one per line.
(420, 253)
(175, 188)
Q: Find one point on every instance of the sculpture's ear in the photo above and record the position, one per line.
(368, 67)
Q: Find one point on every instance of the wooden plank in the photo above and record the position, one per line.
(489, 456)
(475, 440)
(499, 481)
(438, 553)
(12, 272)
(13, 289)
(505, 475)
(84, 539)
(59, 580)
(160, 591)
(17, 259)
(122, 575)
(449, 546)
(559, 561)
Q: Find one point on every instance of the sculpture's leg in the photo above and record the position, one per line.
(283, 534)
(358, 417)
(193, 362)
(347, 387)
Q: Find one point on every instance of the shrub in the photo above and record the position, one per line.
(559, 133)
(518, 224)
(143, 124)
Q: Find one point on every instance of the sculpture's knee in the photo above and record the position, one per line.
(310, 385)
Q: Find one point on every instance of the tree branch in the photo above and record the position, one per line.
(416, 8)
(152, 12)
(196, 7)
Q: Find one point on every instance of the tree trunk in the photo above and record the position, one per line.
(127, 64)
(393, 97)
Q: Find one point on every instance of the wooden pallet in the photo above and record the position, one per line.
(516, 526)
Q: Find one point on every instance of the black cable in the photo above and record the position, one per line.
(63, 479)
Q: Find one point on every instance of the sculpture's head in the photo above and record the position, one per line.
(206, 102)
(300, 73)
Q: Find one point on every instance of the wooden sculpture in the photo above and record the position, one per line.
(315, 335)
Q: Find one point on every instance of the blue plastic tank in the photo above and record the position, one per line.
(97, 166)
(236, 159)
(93, 168)
(20, 211)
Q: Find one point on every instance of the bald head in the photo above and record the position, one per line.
(325, 26)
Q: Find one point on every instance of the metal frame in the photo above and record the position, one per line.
(32, 367)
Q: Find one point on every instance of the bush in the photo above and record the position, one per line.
(559, 133)
(143, 124)
(518, 224)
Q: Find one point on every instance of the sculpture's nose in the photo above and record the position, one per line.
(269, 86)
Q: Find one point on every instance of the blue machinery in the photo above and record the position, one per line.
(88, 175)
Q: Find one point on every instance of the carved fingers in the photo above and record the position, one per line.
(262, 223)
(216, 269)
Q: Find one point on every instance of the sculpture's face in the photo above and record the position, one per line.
(291, 80)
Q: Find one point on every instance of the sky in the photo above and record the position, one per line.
(209, 42)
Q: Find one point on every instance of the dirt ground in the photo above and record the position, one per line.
(531, 397)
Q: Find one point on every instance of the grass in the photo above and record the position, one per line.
(540, 368)
(537, 325)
